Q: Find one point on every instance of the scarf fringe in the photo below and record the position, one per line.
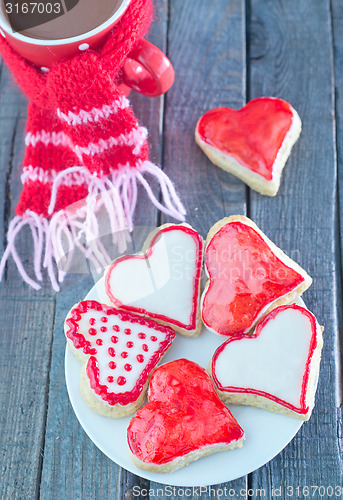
(78, 225)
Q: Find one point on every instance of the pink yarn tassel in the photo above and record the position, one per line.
(78, 226)
(14, 228)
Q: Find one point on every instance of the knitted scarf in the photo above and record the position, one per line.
(82, 140)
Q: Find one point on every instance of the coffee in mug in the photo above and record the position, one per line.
(57, 19)
(47, 31)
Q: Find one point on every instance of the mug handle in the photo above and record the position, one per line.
(147, 70)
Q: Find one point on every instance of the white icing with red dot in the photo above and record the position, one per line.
(122, 352)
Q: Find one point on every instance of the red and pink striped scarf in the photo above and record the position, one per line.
(82, 139)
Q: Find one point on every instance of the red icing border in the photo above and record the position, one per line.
(196, 282)
(92, 369)
(313, 344)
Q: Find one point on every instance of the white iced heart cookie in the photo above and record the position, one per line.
(276, 368)
(119, 351)
(162, 283)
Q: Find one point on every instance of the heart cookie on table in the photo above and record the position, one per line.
(119, 350)
(276, 368)
(252, 143)
(162, 282)
(183, 421)
(248, 277)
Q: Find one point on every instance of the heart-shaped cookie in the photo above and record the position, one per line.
(248, 277)
(183, 421)
(276, 368)
(119, 350)
(162, 283)
(252, 143)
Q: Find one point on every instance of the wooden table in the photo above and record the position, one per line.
(225, 52)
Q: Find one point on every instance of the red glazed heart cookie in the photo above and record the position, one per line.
(183, 421)
(276, 368)
(248, 277)
(252, 143)
(119, 351)
(163, 282)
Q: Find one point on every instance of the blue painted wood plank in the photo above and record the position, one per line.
(293, 60)
(206, 44)
(27, 322)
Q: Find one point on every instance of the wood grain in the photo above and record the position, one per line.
(337, 25)
(296, 64)
(207, 48)
(28, 318)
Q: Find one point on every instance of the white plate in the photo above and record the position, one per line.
(266, 434)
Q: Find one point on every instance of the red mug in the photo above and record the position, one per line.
(146, 70)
